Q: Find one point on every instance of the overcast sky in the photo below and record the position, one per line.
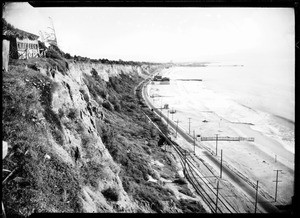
(165, 34)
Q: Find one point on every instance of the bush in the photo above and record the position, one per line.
(108, 105)
(96, 88)
(51, 53)
(73, 114)
(190, 206)
(68, 56)
(180, 181)
(111, 194)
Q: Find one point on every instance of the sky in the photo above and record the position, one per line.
(179, 34)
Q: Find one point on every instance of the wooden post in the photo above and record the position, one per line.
(185, 161)
(194, 143)
(217, 144)
(172, 113)
(189, 126)
(221, 163)
(255, 208)
(168, 119)
(216, 210)
(276, 184)
(176, 128)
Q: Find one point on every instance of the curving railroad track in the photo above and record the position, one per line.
(201, 175)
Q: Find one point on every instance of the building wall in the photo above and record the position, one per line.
(5, 54)
(27, 48)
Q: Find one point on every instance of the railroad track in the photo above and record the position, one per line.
(202, 182)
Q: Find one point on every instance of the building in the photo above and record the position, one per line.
(23, 45)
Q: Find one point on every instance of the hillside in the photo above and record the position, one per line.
(79, 142)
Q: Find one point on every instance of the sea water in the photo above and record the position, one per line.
(257, 93)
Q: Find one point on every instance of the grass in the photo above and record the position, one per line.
(51, 185)
(27, 95)
(190, 206)
(124, 135)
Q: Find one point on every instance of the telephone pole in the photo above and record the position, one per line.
(221, 163)
(216, 210)
(194, 143)
(176, 127)
(255, 208)
(168, 119)
(276, 183)
(185, 161)
(189, 125)
(217, 144)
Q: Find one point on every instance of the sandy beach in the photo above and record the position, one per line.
(212, 113)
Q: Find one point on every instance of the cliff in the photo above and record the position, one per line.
(78, 141)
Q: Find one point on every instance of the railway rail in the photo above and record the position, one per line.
(202, 183)
(204, 180)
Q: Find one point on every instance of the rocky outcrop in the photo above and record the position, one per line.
(73, 101)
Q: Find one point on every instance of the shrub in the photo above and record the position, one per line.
(111, 194)
(108, 105)
(51, 53)
(180, 181)
(58, 136)
(68, 56)
(61, 113)
(73, 113)
(186, 191)
(191, 206)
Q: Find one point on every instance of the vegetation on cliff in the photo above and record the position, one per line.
(41, 179)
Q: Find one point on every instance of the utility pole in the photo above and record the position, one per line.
(189, 125)
(276, 183)
(256, 197)
(185, 160)
(275, 158)
(176, 127)
(217, 144)
(216, 210)
(194, 143)
(221, 163)
(168, 119)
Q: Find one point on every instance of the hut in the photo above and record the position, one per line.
(22, 44)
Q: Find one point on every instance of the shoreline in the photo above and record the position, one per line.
(255, 160)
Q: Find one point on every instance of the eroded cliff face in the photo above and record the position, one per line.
(72, 96)
(80, 142)
(55, 149)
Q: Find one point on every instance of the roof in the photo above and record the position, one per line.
(20, 34)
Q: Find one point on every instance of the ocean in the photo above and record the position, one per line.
(258, 94)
